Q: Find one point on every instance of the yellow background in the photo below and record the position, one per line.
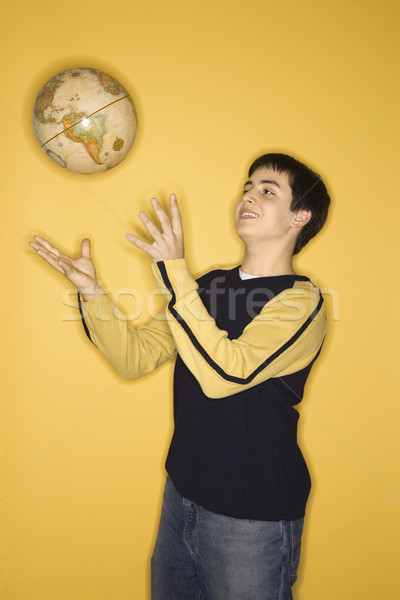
(215, 84)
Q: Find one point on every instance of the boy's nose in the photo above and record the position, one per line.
(247, 197)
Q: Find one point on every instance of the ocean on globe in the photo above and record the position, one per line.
(84, 120)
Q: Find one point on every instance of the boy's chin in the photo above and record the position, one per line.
(247, 238)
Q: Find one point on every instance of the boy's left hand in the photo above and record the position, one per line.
(168, 244)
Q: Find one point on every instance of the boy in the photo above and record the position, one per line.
(244, 340)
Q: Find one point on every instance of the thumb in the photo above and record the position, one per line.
(85, 246)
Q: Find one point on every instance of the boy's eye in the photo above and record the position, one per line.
(264, 191)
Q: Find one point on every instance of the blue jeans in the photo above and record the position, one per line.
(200, 555)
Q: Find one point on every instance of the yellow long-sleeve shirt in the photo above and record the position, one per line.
(239, 372)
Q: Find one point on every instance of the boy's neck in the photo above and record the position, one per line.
(267, 264)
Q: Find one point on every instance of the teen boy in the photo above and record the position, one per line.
(244, 340)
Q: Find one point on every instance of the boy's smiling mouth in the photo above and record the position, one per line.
(247, 214)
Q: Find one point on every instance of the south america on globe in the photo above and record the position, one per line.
(84, 120)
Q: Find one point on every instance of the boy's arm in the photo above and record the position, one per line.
(284, 338)
(131, 351)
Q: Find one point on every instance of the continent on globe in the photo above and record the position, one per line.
(87, 131)
(111, 85)
(45, 100)
(76, 105)
(117, 145)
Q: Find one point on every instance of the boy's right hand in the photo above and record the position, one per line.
(80, 272)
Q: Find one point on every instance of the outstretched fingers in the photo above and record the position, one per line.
(50, 254)
(162, 217)
(168, 244)
(43, 245)
(176, 216)
(142, 245)
(53, 261)
(151, 228)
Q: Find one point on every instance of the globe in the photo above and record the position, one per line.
(84, 120)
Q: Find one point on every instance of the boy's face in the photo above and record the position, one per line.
(263, 213)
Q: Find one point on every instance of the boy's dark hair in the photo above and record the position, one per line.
(308, 192)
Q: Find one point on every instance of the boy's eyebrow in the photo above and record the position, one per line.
(270, 181)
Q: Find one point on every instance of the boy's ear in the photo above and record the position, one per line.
(301, 218)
